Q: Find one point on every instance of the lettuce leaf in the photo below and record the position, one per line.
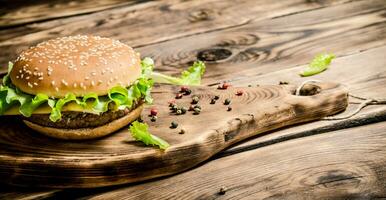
(191, 76)
(318, 64)
(121, 97)
(139, 131)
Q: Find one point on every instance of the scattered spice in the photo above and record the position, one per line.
(174, 124)
(216, 97)
(197, 111)
(182, 131)
(140, 119)
(183, 89)
(239, 92)
(197, 106)
(172, 103)
(229, 108)
(183, 110)
(227, 102)
(283, 83)
(174, 108)
(223, 190)
(224, 86)
(249, 85)
(178, 112)
(191, 107)
(195, 100)
(213, 101)
(153, 112)
(188, 92)
(153, 118)
(178, 96)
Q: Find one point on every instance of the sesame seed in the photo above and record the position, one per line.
(57, 89)
(75, 85)
(52, 83)
(93, 73)
(27, 77)
(40, 78)
(87, 78)
(35, 83)
(30, 85)
(100, 82)
(92, 83)
(64, 82)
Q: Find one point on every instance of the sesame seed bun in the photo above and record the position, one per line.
(87, 133)
(75, 64)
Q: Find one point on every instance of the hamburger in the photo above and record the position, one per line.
(76, 87)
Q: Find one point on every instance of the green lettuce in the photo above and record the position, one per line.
(318, 64)
(191, 76)
(121, 97)
(139, 131)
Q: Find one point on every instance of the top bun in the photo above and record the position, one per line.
(75, 64)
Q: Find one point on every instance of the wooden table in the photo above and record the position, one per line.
(247, 43)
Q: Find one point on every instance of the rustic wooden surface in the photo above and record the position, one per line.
(116, 160)
(249, 42)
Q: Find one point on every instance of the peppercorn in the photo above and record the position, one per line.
(216, 97)
(178, 112)
(140, 119)
(153, 118)
(178, 96)
(182, 131)
(197, 106)
(249, 85)
(171, 103)
(197, 111)
(191, 107)
(283, 83)
(188, 92)
(212, 101)
(227, 102)
(223, 190)
(183, 89)
(153, 112)
(224, 86)
(174, 124)
(195, 100)
(183, 110)
(174, 108)
(229, 108)
(239, 92)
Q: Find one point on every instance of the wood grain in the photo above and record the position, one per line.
(320, 167)
(362, 77)
(275, 44)
(153, 22)
(26, 157)
(19, 12)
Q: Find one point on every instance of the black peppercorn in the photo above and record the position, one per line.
(197, 111)
(212, 101)
(223, 190)
(178, 96)
(182, 131)
(197, 106)
(178, 112)
(174, 124)
(153, 118)
(229, 108)
(216, 97)
(227, 102)
(195, 100)
(183, 110)
(283, 83)
(188, 92)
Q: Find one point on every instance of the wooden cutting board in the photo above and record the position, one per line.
(30, 159)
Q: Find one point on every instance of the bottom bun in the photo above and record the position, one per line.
(87, 133)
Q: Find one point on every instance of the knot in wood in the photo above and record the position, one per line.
(201, 15)
(212, 55)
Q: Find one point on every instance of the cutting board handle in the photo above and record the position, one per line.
(316, 100)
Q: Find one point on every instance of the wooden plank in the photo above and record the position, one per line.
(270, 45)
(345, 164)
(18, 12)
(153, 22)
(362, 73)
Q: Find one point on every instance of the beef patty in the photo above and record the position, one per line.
(74, 120)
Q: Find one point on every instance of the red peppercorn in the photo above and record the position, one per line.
(239, 92)
(178, 96)
(191, 107)
(225, 85)
(153, 112)
(184, 89)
